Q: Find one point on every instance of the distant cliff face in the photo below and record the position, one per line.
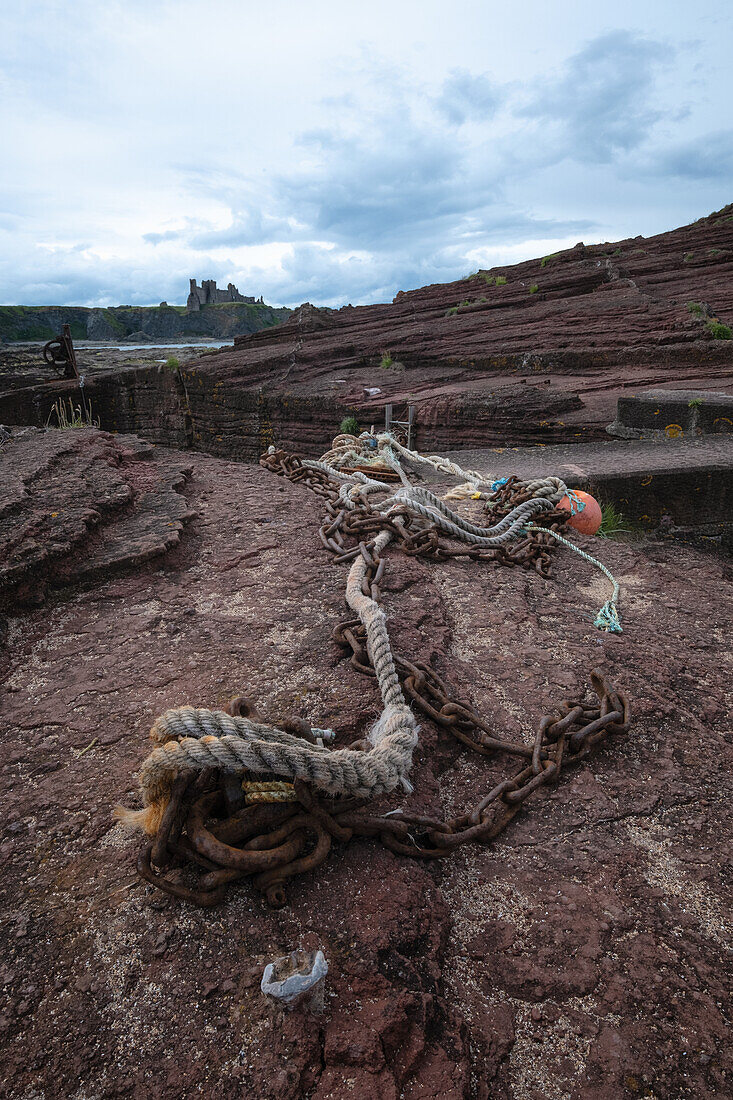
(157, 322)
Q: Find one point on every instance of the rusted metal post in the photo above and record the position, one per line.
(406, 424)
(71, 370)
(60, 354)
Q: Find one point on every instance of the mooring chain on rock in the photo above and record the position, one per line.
(276, 841)
(560, 742)
(236, 798)
(362, 521)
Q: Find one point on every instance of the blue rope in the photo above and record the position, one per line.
(576, 504)
(498, 483)
(608, 618)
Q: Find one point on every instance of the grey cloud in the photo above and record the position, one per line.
(157, 238)
(467, 96)
(374, 190)
(707, 157)
(248, 227)
(602, 100)
(335, 276)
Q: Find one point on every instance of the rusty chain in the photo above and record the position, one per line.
(208, 824)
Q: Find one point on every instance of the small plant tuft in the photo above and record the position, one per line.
(687, 257)
(72, 417)
(695, 307)
(612, 522)
(501, 280)
(172, 363)
(546, 259)
(386, 361)
(718, 330)
(486, 278)
(696, 403)
(349, 426)
(534, 288)
(452, 311)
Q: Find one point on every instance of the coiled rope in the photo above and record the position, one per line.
(191, 738)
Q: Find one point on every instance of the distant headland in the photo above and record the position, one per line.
(209, 311)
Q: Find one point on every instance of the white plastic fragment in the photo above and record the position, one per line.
(287, 979)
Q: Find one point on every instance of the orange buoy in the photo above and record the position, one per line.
(588, 519)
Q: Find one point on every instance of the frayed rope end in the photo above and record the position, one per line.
(608, 619)
(148, 820)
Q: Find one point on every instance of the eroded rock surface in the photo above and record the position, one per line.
(537, 352)
(584, 954)
(78, 502)
(540, 357)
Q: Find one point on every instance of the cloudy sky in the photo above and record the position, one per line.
(335, 151)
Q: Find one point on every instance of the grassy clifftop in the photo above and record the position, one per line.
(118, 322)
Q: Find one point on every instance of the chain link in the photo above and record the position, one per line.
(271, 842)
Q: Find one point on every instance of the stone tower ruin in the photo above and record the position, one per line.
(208, 294)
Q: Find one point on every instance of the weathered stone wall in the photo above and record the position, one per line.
(148, 400)
(209, 294)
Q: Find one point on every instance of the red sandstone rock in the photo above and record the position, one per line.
(582, 955)
(76, 503)
(508, 367)
(605, 318)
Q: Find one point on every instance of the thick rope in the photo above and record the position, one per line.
(193, 738)
(190, 738)
(345, 448)
(437, 511)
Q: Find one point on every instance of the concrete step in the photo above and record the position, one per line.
(685, 483)
(673, 414)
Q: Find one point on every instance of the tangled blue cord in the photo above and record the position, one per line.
(576, 504)
(608, 617)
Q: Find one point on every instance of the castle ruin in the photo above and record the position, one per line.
(208, 294)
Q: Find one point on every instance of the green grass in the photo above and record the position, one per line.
(500, 280)
(695, 307)
(486, 278)
(612, 522)
(718, 330)
(349, 426)
(386, 361)
(72, 417)
(696, 403)
(114, 323)
(452, 311)
(534, 288)
(546, 259)
(172, 363)
(687, 257)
